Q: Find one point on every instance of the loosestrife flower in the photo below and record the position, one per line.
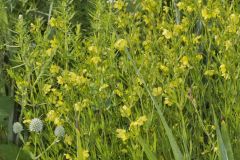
(122, 134)
(209, 72)
(125, 111)
(36, 125)
(68, 140)
(121, 44)
(157, 91)
(138, 123)
(17, 127)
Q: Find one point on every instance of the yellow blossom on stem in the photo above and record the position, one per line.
(157, 91)
(122, 134)
(209, 73)
(68, 140)
(54, 69)
(125, 111)
(121, 44)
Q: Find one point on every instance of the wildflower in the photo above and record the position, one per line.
(95, 60)
(164, 69)
(54, 69)
(167, 101)
(223, 71)
(92, 49)
(184, 61)
(121, 44)
(157, 91)
(36, 125)
(49, 51)
(58, 121)
(199, 57)
(85, 154)
(103, 87)
(51, 115)
(119, 4)
(60, 80)
(17, 127)
(68, 156)
(54, 43)
(180, 5)
(68, 140)
(79, 106)
(125, 111)
(205, 14)
(46, 88)
(167, 34)
(209, 72)
(138, 123)
(53, 22)
(122, 134)
(59, 131)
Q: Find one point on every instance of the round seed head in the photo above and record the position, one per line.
(59, 131)
(36, 125)
(17, 127)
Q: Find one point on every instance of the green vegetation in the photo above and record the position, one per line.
(120, 79)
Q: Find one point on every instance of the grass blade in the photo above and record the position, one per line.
(175, 148)
(226, 140)
(146, 149)
(222, 149)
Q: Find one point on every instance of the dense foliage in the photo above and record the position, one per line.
(123, 79)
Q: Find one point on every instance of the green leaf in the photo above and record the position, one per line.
(146, 149)
(11, 152)
(175, 148)
(226, 140)
(223, 155)
(6, 107)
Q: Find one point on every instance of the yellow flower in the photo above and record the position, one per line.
(54, 43)
(58, 121)
(79, 106)
(164, 69)
(199, 57)
(26, 121)
(46, 88)
(68, 140)
(157, 91)
(67, 156)
(54, 69)
(167, 101)
(102, 87)
(224, 71)
(122, 134)
(51, 115)
(138, 123)
(180, 5)
(118, 92)
(49, 51)
(60, 80)
(205, 13)
(95, 60)
(118, 4)
(184, 61)
(223, 68)
(167, 34)
(85, 154)
(121, 44)
(125, 111)
(209, 73)
(52, 22)
(92, 49)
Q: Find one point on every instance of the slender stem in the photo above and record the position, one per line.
(53, 143)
